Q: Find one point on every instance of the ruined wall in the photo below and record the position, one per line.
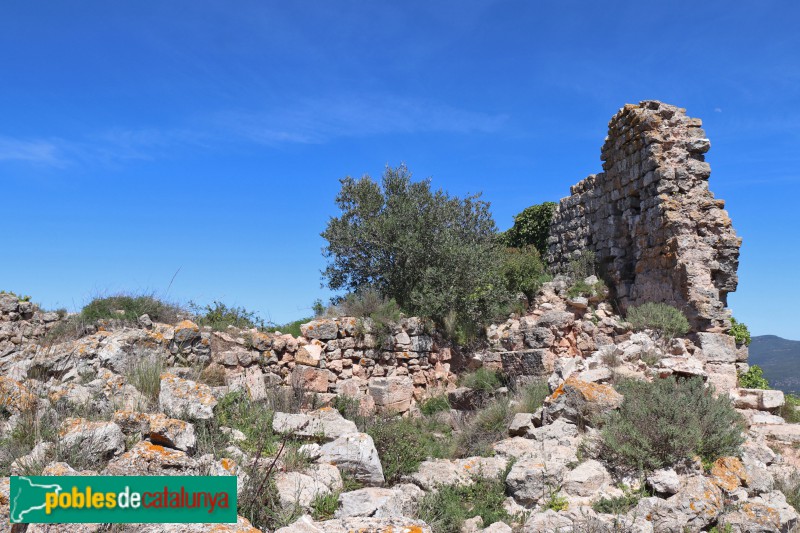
(658, 232)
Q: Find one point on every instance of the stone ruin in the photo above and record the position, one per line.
(658, 233)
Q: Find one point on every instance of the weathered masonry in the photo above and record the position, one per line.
(657, 231)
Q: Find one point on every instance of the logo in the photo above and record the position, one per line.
(122, 499)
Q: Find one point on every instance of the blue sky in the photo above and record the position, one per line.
(138, 139)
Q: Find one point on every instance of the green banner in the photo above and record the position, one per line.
(122, 499)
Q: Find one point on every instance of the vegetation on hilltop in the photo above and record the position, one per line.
(435, 255)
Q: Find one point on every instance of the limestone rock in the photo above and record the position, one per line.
(159, 428)
(586, 478)
(311, 379)
(398, 501)
(322, 329)
(183, 398)
(664, 481)
(327, 423)
(392, 394)
(580, 401)
(102, 439)
(148, 459)
(355, 453)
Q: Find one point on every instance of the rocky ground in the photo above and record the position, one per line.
(175, 399)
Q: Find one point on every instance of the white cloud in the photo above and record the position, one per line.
(38, 151)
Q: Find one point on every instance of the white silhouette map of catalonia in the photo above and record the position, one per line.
(16, 514)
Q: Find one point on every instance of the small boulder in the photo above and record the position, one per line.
(355, 453)
(327, 423)
(322, 329)
(183, 398)
(103, 439)
(664, 481)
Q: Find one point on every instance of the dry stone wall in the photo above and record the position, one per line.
(658, 232)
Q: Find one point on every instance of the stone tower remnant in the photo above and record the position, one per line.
(658, 233)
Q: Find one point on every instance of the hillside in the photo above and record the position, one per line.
(780, 359)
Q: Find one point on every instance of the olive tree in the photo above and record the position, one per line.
(436, 255)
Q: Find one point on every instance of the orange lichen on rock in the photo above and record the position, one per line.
(728, 473)
(591, 392)
(15, 397)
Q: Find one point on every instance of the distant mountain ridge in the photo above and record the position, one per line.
(780, 360)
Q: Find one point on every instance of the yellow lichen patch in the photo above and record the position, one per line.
(186, 324)
(761, 514)
(228, 464)
(14, 396)
(73, 425)
(728, 473)
(156, 336)
(591, 392)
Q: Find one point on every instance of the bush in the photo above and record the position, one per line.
(556, 502)
(740, 332)
(324, 506)
(620, 504)
(435, 404)
(130, 308)
(144, 372)
(583, 266)
(367, 303)
(524, 271)
(482, 379)
(490, 424)
(219, 316)
(531, 227)
(531, 397)
(236, 410)
(753, 378)
(290, 328)
(446, 509)
(790, 487)
(403, 443)
(669, 420)
(20, 297)
(665, 320)
(431, 252)
(790, 411)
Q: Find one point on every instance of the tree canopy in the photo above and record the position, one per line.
(433, 253)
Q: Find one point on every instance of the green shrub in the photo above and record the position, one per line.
(668, 420)
(20, 297)
(236, 410)
(290, 328)
(348, 406)
(556, 502)
(531, 227)
(581, 288)
(790, 487)
(620, 504)
(378, 314)
(740, 332)
(431, 252)
(323, 506)
(130, 308)
(753, 378)
(490, 423)
(583, 266)
(144, 372)
(665, 320)
(446, 509)
(790, 411)
(219, 316)
(484, 428)
(403, 443)
(524, 271)
(531, 397)
(435, 404)
(482, 379)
